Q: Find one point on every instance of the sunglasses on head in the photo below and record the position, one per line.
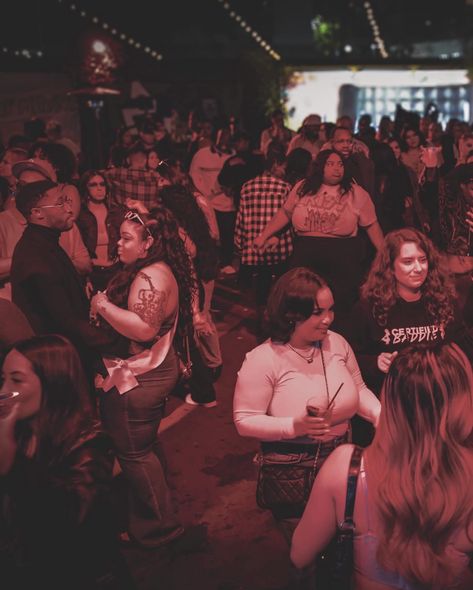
(133, 216)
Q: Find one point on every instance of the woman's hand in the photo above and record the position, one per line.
(201, 325)
(89, 289)
(311, 426)
(8, 419)
(96, 304)
(138, 206)
(261, 244)
(469, 219)
(385, 359)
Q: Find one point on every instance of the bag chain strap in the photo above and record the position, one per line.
(317, 454)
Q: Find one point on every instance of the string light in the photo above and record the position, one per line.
(26, 53)
(106, 26)
(375, 28)
(246, 27)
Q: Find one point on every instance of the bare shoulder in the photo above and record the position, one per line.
(334, 471)
(156, 276)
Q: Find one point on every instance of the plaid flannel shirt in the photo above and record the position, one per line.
(261, 199)
(141, 185)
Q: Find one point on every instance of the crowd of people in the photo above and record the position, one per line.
(356, 249)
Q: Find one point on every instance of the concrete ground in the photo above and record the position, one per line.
(231, 544)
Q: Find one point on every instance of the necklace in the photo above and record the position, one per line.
(308, 359)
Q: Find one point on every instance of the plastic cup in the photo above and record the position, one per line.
(314, 408)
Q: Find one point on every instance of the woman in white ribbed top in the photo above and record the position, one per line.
(302, 359)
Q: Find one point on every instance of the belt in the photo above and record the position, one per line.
(287, 447)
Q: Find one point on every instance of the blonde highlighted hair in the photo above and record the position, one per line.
(420, 464)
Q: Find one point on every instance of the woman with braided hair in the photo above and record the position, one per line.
(147, 302)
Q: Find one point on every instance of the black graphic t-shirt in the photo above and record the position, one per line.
(408, 322)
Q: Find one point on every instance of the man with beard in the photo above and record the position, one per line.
(308, 137)
(45, 285)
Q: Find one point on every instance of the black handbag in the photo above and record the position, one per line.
(284, 486)
(335, 565)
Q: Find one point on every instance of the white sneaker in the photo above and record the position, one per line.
(228, 270)
(191, 402)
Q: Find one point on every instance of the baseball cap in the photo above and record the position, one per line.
(33, 165)
(29, 194)
(312, 120)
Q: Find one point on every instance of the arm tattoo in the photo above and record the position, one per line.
(152, 304)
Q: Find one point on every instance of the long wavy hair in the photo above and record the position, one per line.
(66, 409)
(167, 247)
(84, 190)
(380, 288)
(315, 180)
(182, 204)
(420, 464)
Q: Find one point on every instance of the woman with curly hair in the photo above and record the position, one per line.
(408, 297)
(326, 211)
(147, 302)
(414, 502)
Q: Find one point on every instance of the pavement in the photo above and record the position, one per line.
(229, 544)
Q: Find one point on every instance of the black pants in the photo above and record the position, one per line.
(226, 227)
(200, 384)
(259, 279)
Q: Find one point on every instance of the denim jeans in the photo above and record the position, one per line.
(132, 420)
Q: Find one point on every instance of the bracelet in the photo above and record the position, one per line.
(102, 305)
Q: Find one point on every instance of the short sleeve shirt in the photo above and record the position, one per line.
(328, 213)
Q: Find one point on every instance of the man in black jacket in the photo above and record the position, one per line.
(45, 284)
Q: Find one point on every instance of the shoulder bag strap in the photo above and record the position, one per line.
(353, 472)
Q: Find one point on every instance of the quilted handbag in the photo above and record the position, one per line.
(284, 486)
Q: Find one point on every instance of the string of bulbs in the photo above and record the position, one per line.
(113, 31)
(374, 27)
(249, 29)
(26, 53)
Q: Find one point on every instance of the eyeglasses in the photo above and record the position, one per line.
(95, 184)
(133, 216)
(62, 202)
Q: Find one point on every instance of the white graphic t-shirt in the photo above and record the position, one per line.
(329, 213)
